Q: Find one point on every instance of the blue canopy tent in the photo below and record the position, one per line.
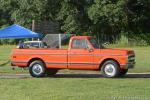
(17, 32)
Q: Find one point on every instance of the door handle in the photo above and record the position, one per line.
(90, 50)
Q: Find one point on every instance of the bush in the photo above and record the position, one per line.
(132, 40)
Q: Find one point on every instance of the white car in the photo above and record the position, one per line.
(35, 44)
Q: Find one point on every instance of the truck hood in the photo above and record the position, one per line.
(111, 51)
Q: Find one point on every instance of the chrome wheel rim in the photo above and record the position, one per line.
(37, 69)
(110, 69)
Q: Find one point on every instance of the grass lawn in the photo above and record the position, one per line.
(76, 88)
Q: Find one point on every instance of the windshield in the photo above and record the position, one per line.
(95, 43)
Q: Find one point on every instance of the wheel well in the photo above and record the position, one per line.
(33, 59)
(101, 64)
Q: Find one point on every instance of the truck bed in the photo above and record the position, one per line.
(53, 57)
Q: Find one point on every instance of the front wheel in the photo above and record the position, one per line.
(110, 69)
(37, 68)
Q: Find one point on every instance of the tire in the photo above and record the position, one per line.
(37, 69)
(123, 72)
(110, 69)
(51, 72)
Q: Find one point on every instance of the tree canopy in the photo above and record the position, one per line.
(103, 17)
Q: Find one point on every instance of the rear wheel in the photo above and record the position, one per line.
(123, 72)
(37, 68)
(110, 69)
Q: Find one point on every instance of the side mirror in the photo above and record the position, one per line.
(89, 48)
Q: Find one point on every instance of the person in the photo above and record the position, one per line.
(21, 44)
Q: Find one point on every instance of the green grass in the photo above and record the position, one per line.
(76, 88)
(142, 59)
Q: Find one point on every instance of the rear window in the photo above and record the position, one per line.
(79, 43)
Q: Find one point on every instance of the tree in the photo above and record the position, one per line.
(108, 16)
(138, 16)
(73, 16)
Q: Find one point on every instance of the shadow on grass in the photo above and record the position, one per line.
(14, 76)
(137, 75)
(23, 76)
(78, 76)
(134, 75)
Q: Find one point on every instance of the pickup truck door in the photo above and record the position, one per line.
(79, 56)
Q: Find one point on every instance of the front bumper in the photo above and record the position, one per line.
(130, 61)
(130, 65)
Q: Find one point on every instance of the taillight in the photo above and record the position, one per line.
(14, 57)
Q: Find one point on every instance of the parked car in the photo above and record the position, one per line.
(83, 53)
(35, 44)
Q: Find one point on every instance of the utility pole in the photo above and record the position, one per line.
(33, 25)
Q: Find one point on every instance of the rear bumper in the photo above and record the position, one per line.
(20, 64)
(12, 64)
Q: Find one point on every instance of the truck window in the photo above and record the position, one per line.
(95, 44)
(79, 43)
(65, 42)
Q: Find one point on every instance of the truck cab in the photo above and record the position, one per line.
(112, 62)
(83, 53)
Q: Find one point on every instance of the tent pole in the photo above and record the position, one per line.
(33, 27)
(59, 40)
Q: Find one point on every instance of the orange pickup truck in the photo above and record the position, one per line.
(83, 53)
